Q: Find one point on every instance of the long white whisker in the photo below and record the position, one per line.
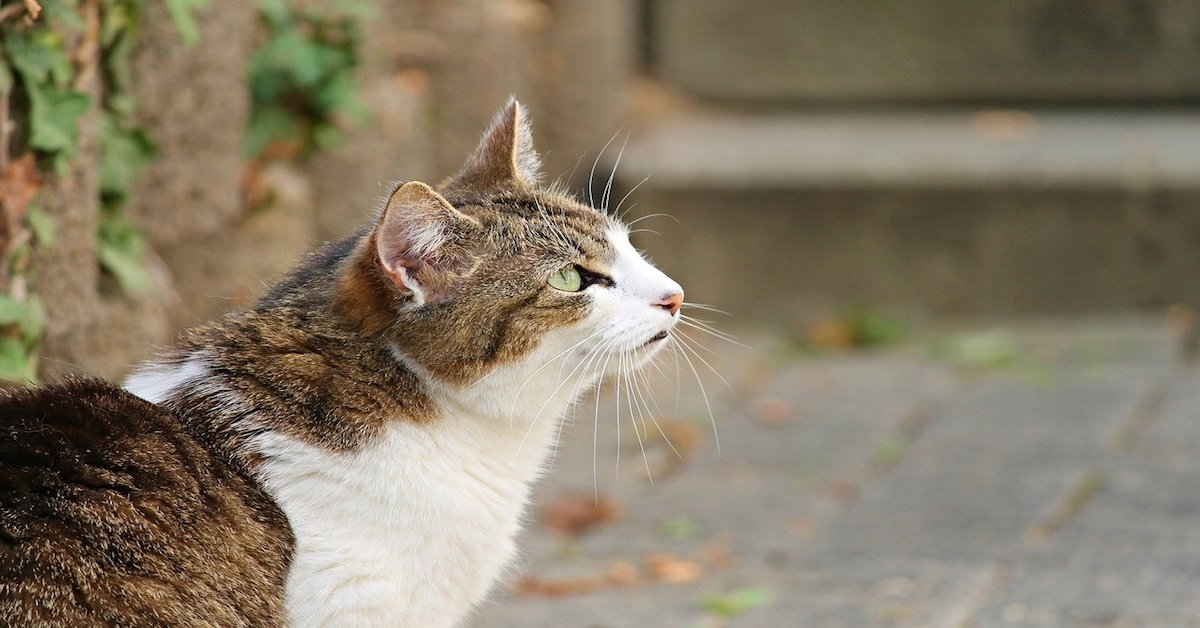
(631, 381)
(688, 346)
(708, 308)
(613, 175)
(513, 408)
(711, 417)
(592, 174)
(549, 399)
(617, 211)
(708, 329)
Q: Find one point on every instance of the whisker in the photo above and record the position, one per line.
(688, 346)
(627, 194)
(613, 175)
(711, 417)
(702, 306)
(631, 382)
(592, 174)
(641, 218)
(549, 398)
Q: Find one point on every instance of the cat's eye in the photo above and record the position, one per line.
(567, 279)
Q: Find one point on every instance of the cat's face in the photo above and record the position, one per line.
(508, 276)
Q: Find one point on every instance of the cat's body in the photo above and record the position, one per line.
(96, 489)
(398, 393)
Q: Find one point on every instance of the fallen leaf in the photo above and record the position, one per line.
(843, 490)
(575, 514)
(673, 569)
(772, 411)
(717, 553)
(623, 573)
(831, 335)
(738, 602)
(803, 527)
(560, 588)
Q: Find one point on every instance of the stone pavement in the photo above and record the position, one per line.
(1046, 475)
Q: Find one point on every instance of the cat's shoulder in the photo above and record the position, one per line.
(111, 511)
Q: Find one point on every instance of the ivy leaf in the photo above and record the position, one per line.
(33, 319)
(54, 117)
(123, 155)
(41, 224)
(11, 310)
(121, 250)
(16, 365)
(268, 125)
(181, 16)
(39, 56)
(126, 267)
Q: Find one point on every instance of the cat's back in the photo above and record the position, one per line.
(111, 512)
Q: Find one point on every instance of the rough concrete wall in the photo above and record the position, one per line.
(67, 274)
(193, 102)
(584, 60)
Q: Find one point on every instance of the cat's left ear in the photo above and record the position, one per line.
(505, 156)
(420, 243)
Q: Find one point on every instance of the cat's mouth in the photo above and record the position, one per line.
(662, 335)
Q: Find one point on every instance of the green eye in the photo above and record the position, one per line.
(567, 279)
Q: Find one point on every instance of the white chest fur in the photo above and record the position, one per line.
(410, 531)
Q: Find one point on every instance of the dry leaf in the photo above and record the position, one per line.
(772, 411)
(673, 569)
(717, 553)
(843, 490)
(831, 335)
(804, 527)
(622, 573)
(19, 183)
(575, 514)
(560, 588)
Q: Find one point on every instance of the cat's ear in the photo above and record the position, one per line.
(505, 156)
(419, 243)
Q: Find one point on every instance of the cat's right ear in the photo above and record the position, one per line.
(418, 243)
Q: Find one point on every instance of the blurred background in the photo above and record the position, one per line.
(958, 243)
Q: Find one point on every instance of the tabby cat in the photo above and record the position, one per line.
(355, 449)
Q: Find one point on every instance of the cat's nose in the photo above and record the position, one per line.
(671, 302)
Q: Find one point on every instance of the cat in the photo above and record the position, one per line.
(355, 449)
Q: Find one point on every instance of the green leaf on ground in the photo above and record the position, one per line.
(679, 528)
(993, 348)
(738, 602)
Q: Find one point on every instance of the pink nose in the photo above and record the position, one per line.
(670, 303)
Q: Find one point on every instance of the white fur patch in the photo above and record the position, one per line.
(156, 382)
(410, 531)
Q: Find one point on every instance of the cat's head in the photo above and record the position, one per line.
(489, 269)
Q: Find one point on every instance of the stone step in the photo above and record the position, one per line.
(768, 51)
(943, 212)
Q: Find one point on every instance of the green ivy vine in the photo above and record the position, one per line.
(44, 45)
(302, 86)
(302, 83)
